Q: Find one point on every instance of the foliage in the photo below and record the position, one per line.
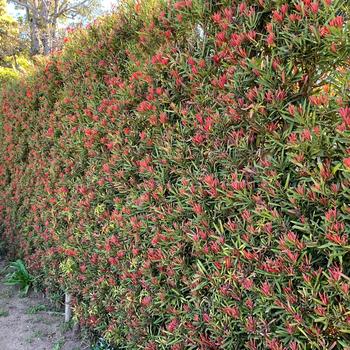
(19, 276)
(24, 63)
(3, 313)
(13, 60)
(7, 74)
(35, 309)
(184, 173)
(2, 241)
(8, 33)
(13, 73)
(102, 345)
(15, 68)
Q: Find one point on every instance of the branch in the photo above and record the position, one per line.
(22, 4)
(67, 9)
(62, 8)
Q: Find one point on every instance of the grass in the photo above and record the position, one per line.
(3, 313)
(58, 345)
(67, 326)
(35, 309)
(36, 335)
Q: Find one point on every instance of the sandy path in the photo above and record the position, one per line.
(26, 323)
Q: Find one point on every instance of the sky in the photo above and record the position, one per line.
(105, 4)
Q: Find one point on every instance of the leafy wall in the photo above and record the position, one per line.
(184, 171)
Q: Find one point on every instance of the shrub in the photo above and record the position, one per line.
(8, 74)
(185, 174)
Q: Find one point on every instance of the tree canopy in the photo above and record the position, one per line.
(8, 33)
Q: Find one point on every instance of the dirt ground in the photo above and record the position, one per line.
(27, 323)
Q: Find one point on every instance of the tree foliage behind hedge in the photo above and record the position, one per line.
(184, 171)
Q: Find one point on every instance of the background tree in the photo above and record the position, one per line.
(9, 39)
(43, 18)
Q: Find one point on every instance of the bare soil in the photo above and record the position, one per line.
(27, 323)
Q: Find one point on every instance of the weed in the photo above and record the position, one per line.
(19, 277)
(58, 345)
(102, 344)
(35, 309)
(3, 313)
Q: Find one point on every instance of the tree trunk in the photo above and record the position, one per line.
(53, 31)
(34, 35)
(53, 34)
(45, 40)
(45, 28)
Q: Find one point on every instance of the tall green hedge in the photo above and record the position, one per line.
(184, 171)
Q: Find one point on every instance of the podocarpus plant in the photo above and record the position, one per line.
(185, 174)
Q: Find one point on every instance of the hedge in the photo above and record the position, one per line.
(183, 169)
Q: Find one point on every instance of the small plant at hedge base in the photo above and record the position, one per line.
(3, 313)
(102, 344)
(19, 276)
